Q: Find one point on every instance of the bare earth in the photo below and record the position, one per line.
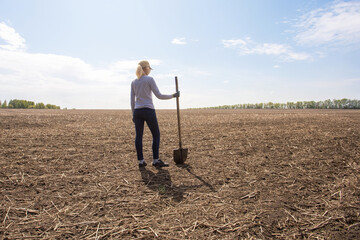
(251, 174)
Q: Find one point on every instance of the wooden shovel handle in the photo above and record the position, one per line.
(178, 111)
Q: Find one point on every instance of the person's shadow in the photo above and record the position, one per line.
(161, 182)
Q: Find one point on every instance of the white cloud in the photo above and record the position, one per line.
(13, 40)
(339, 23)
(276, 66)
(289, 56)
(269, 49)
(36, 68)
(179, 41)
(62, 80)
(233, 43)
(248, 47)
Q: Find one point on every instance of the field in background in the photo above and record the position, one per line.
(251, 174)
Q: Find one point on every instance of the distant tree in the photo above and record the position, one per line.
(4, 105)
(11, 104)
(319, 105)
(309, 104)
(50, 106)
(40, 106)
(31, 104)
(327, 104)
(19, 103)
(24, 104)
(354, 103)
(299, 105)
(290, 105)
(344, 103)
(270, 105)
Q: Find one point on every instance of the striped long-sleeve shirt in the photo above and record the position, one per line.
(141, 93)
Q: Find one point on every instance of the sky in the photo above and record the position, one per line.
(83, 53)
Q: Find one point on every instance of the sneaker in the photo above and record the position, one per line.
(143, 164)
(160, 163)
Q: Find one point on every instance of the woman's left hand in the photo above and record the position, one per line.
(177, 94)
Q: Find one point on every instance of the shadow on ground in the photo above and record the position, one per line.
(161, 182)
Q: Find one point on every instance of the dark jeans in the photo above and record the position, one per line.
(149, 116)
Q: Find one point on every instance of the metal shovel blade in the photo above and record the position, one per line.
(180, 155)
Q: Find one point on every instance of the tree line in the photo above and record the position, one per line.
(24, 104)
(327, 104)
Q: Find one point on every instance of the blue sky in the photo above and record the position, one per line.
(83, 53)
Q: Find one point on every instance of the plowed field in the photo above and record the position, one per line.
(250, 174)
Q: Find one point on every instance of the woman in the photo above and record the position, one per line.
(143, 111)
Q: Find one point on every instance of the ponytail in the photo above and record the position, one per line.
(139, 71)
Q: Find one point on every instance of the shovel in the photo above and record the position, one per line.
(180, 154)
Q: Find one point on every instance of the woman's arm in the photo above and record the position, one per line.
(157, 92)
(132, 98)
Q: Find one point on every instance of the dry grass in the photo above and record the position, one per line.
(251, 174)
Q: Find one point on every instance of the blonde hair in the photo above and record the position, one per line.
(139, 70)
